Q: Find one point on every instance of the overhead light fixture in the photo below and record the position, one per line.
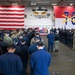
(42, 2)
(71, 4)
(54, 4)
(33, 3)
(14, 4)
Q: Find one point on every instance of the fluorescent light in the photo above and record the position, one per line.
(42, 2)
(54, 4)
(71, 4)
(33, 3)
(14, 4)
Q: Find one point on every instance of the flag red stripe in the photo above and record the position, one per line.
(10, 14)
(12, 17)
(12, 21)
(11, 24)
(13, 28)
(12, 6)
(15, 23)
(11, 11)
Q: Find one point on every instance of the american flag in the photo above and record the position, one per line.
(11, 17)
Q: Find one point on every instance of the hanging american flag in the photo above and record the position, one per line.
(11, 17)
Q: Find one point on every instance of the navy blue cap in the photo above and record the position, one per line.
(36, 37)
(40, 43)
(12, 46)
(21, 35)
(22, 40)
(15, 39)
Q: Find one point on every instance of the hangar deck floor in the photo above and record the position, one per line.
(63, 62)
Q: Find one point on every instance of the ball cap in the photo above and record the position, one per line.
(23, 40)
(36, 37)
(12, 46)
(40, 43)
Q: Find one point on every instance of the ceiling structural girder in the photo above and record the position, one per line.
(36, 2)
